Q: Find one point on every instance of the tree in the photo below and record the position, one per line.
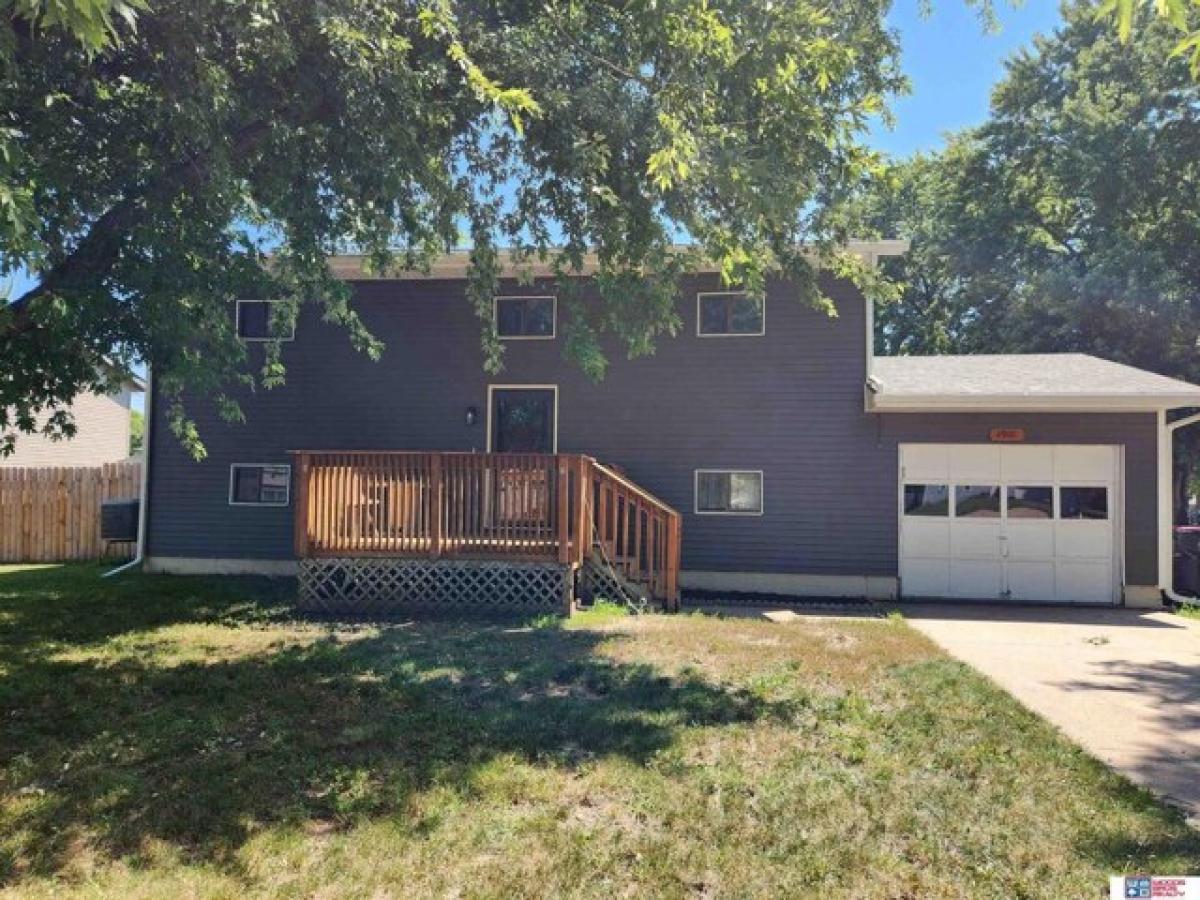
(137, 432)
(222, 149)
(1067, 222)
(1179, 14)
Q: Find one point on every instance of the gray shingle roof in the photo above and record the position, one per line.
(1022, 381)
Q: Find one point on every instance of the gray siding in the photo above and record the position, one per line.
(789, 403)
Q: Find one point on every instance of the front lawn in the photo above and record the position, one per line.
(186, 737)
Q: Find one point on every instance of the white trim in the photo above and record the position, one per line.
(194, 565)
(1166, 523)
(1125, 402)
(246, 465)
(793, 584)
(354, 267)
(520, 387)
(237, 325)
(700, 295)
(553, 298)
(762, 492)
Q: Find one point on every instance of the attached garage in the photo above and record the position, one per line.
(1023, 523)
(1037, 479)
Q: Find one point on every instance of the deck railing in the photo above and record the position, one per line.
(520, 506)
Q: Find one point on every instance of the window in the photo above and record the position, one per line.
(1083, 503)
(729, 492)
(926, 500)
(977, 501)
(729, 313)
(259, 485)
(1030, 502)
(526, 317)
(254, 321)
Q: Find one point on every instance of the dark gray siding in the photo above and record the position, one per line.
(789, 403)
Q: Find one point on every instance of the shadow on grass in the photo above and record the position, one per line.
(129, 747)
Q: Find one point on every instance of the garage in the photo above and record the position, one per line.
(1036, 524)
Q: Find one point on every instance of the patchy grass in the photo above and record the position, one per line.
(1190, 610)
(187, 737)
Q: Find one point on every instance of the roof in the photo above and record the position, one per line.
(353, 267)
(1032, 381)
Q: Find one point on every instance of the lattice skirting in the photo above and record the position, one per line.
(367, 587)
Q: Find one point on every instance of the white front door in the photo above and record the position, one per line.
(1027, 523)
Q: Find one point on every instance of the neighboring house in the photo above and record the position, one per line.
(102, 423)
(798, 462)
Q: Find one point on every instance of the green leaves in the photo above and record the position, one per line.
(224, 149)
(1181, 15)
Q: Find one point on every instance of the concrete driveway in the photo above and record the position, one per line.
(1125, 684)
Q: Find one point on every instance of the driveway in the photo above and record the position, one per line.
(1125, 684)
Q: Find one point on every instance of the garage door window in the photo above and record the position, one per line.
(1030, 502)
(926, 500)
(1083, 503)
(977, 501)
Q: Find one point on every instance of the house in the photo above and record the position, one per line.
(765, 449)
(102, 424)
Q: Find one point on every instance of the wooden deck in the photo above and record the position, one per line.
(563, 508)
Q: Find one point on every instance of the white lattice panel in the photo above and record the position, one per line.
(379, 586)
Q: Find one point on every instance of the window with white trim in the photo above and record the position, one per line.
(259, 484)
(529, 318)
(256, 322)
(729, 314)
(729, 492)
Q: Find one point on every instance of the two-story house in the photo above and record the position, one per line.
(765, 449)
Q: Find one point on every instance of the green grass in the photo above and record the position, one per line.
(1190, 610)
(188, 737)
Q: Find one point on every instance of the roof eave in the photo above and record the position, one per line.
(454, 265)
(1095, 403)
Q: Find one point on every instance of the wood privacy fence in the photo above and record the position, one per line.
(50, 514)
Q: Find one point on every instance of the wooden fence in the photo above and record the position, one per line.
(50, 514)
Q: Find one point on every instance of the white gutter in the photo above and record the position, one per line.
(143, 491)
(1166, 519)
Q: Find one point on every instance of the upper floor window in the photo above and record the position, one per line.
(724, 313)
(255, 484)
(526, 317)
(727, 492)
(255, 322)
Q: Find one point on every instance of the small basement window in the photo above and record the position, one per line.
(729, 313)
(254, 484)
(529, 318)
(255, 321)
(726, 492)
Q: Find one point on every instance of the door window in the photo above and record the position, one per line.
(1030, 502)
(523, 420)
(1083, 502)
(926, 500)
(977, 501)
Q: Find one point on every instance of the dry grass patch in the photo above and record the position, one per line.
(188, 737)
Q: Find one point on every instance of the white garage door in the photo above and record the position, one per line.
(1027, 523)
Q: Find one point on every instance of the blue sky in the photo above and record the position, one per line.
(953, 64)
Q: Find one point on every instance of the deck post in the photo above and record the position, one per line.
(435, 506)
(582, 484)
(673, 554)
(564, 514)
(300, 515)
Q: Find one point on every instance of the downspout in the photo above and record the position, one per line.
(143, 491)
(1166, 519)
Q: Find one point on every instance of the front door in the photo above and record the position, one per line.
(522, 420)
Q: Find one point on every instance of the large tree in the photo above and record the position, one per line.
(223, 148)
(1070, 220)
